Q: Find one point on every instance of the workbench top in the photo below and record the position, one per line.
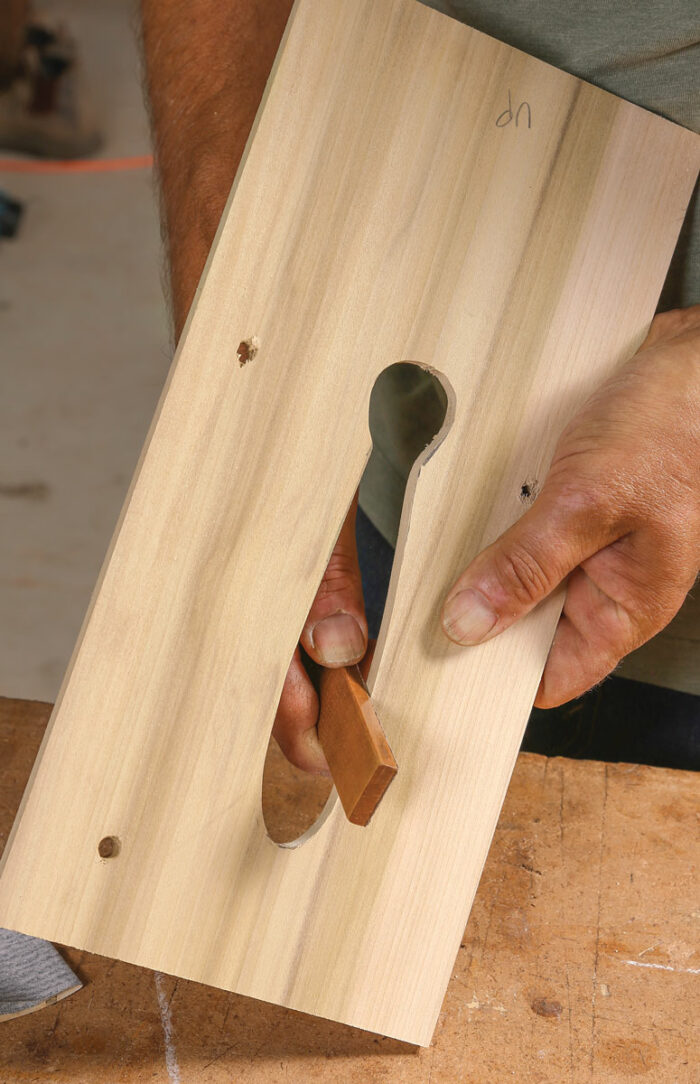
(580, 962)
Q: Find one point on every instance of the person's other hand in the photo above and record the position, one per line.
(618, 516)
(335, 634)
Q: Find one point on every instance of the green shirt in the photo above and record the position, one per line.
(648, 53)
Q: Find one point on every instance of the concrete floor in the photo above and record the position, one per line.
(84, 352)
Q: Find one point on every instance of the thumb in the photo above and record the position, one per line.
(523, 566)
(335, 633)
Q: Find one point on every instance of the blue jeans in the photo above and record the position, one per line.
(620, 720)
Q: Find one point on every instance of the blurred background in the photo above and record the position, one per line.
(84, 338)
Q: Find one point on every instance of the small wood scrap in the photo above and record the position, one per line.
(354, 744)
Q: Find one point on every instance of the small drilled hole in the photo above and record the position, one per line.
(529, 490)
(247, 350)
(108, 847)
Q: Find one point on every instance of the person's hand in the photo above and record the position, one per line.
(335, 634)
(618, 515)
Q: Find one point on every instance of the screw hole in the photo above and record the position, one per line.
(108, 847)
(529, 490)
(247, 350)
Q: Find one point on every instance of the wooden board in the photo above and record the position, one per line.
(384, 211)
(580, 960)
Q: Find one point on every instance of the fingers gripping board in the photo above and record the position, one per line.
(387, 209)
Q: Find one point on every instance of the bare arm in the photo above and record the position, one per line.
(207, 62)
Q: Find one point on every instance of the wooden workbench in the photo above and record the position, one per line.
(580, 961)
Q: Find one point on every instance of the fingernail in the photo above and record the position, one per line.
(467, 617)
(338, 640)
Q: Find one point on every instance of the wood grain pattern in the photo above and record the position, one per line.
(354, 744)
(381, 214)
(579, 848)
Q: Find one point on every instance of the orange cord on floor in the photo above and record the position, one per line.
(80, 165)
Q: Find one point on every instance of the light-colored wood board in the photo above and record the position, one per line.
(381, 214)
(588, 903)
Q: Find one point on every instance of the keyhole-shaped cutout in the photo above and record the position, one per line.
(408, 408)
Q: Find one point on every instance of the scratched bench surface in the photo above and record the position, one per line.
(579, 963)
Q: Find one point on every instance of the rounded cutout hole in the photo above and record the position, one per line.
(408, 408)
(292, 800)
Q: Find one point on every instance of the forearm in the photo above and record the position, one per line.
(13, 24)
(207, 62)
